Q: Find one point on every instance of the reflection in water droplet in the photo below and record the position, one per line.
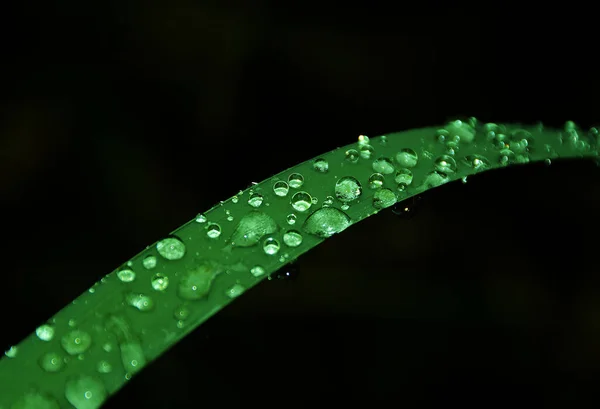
(292, 238)
(235, 291)
(407, 158)
(271, 246)
(140, 301)
(76, 342)
(404, 176)
(126, 275)
(301, 201)
(171, 248)
(255, 200)
(376, 180)
(383, 166)
(295, 180)
(326, 222)
(45, 332)
(196, 282)
(348, 189)
(251, 228)
(321, 165)
(213, 230)
(257, 271)
(352, 155)
(160, 282)
(149, 262)
(384, 198)
(85, 392)
(281, 188)
(291, 218)
(52, 362)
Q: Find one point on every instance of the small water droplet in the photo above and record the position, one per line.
(292, 238)
(321, 165)
(281, 188)
(213, 230)
(159, 282)
(104, 367)
(384, 198)
(45, 332)
(257, 271)
(404, 176)
(52, 362)
(445, 164)
(149, 262)
(235, 199)
(291, 218)
(271, 246)
(328, 201)
(182, 312)
(235, 291)
(376, 180)
(477, 162)
(296, 180)
(126, 275)
(251, 228)
(197, 281)
(407, 158)
(352, 156)
(140, 301)
(200, 218)
(76, 342)
(171, 248)
(383, 166)
(255, 200)
(301, 201)
(326, 222)
(348, 189)
(366, 151)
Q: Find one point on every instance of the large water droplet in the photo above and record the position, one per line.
(326, 222)
(271, 246)
(85, 392)
(281, 188)
(407, 158)
(292, 238)
(251, 228)
(384, 198)
(383, 166)
(348, 189)
(196, 282)
(321, 165)
(140, 301)
(255, 200)
(296, 180)
(404, 176)
(171, 248)
(45, 332)
(35, 400)
(52, 362)
(159, 282)
(76, 342)
(126, 275)
(301, 201)
(149, 262)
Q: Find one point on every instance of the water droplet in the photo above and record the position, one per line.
(271, 246)
(35, 400)
(85, 392)
(301, 201)
(72, 323)
(352, 156)
(104, 367)
(363, 140)
(376, 180)
(196, 282)
(404, 176)
(235, 291)
(251, 228)
(160, 282)
(140, 301)
(235, 199)
(132, 356)
(182, 312)
(321, 165)
(126, 275)
(281, 188)
(52, 362)
(255, 200)
(348, 189)
(107, 347)
(366, 151)
(213, 230)
(257, 271)
(407, 158)
(296, 180)
(292, 238)
(477, 162)
(435, 178)
(462, 129)
(291, 218)
(200, 218)
(171, 248)
(229, 216)
(328, 201)
(326, 222)
(76, 342)
(384, 198)
(45, 332)
(506, 157)
(383, 140)
(445, 164)
(149, 262)
(383, 166)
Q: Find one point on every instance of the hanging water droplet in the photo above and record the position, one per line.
(200, 218)
(376, 180)
(76, 342)
(235, 291)
(213, 230)
(140, 301)
(292, 238)
(159, 282)
(52, 362)
(104, 367)
(197, 281)
(255, 200)
(149, 262)
(407, 158)
(347, 189)
(182, 312)
(281, 188)
(171, 248)
(126, 275)
(251, 228)
(271, 246)
(45, 332)
(321, 165)
(383, 166)
(301, 201)
(291, 218)
(257, 271)
(296, 180)
(384, 198)
(326, 222)
(351, 156)
(366, 151)
(328, 201)
(477, 162)
(404, 176)
(445, 164)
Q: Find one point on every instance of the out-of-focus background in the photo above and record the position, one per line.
(120, 121)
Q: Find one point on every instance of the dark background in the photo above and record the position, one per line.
(121, 121)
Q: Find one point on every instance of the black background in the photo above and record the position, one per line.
(120, 121)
